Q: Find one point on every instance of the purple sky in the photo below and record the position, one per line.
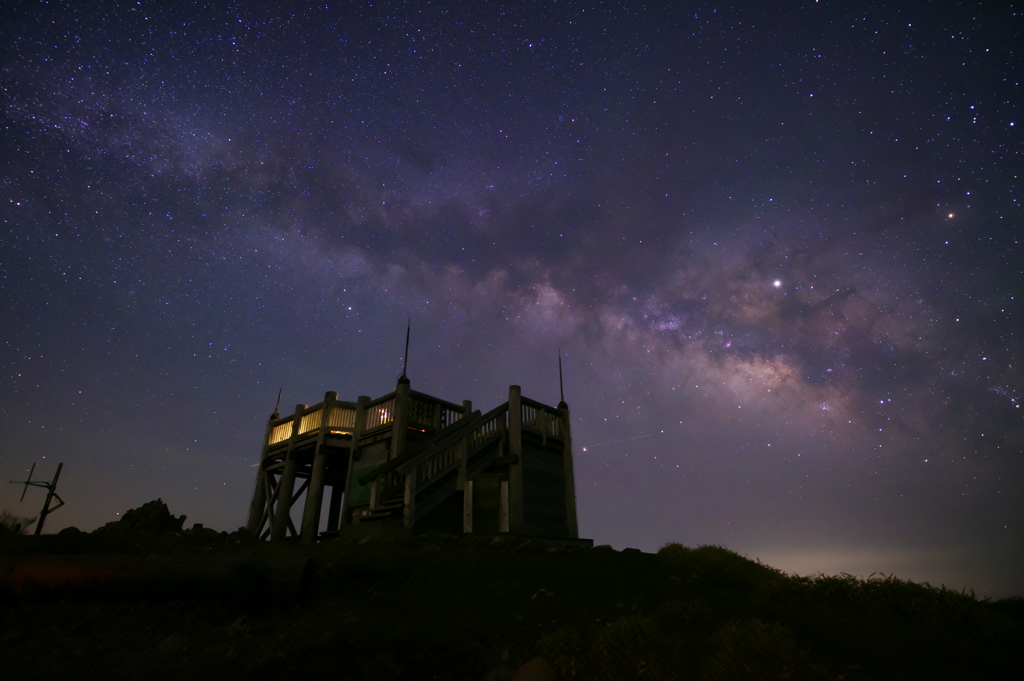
(777, 246)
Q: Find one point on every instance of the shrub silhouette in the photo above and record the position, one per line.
(716, 566)
(12, 524)
(384, 609)
(624, 648)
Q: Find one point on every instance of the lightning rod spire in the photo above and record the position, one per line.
(275, 416)
(405, 359)
(561, 390)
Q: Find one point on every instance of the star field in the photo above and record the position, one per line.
(777, 245)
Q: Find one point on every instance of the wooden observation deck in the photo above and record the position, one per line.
(411, 462)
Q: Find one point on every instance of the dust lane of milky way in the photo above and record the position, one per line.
(777, 244)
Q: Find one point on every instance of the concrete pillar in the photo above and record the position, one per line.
(286, 487)
(515, 470)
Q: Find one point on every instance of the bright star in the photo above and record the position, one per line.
(778, 283)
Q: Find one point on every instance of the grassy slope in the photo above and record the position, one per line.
(454, 607)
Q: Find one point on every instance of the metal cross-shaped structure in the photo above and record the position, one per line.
(51, 492)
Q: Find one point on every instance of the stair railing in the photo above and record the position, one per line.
(438, 457)
(432, 464)
(385, 488)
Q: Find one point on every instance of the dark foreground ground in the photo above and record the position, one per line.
(444, 607)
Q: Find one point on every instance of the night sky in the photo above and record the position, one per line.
(776, 245)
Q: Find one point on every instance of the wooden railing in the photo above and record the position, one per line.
(380, 412)
(541, 418)
(456, 445)
(437, 465)
(425, 410)
(426, 475)
(431, 472)
(412, 458)
(281, 432)
(492, 426)
(450, 416)
(386, 487)
(341, 416)
(311, 421)
(421, 412)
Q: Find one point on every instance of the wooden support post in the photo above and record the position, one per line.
(467, 508)
(376, 492)
(399, 431)
(286, 486)
(400, 425)
(315, 495)
(259, 495)
(542, 426)
(464, 483)
(571, 525)
(503, 525)
(357, 433)
(334, 508)
(462, 447)
(515, 469)
(270, 492)
(409, 513)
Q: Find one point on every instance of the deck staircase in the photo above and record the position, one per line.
(415, 483)
(390, 508)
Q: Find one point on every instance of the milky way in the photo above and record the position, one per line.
(776, 246)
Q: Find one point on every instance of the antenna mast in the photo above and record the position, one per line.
(405, 359)
(275, 416)
(561, 390)
(51, 492)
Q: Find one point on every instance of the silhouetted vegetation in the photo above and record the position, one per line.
(13, 524)
(436, 606)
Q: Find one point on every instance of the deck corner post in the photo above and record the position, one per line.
(357, 433)
(462, 448)
(400, 426)
(259, 494)
(571, 523)
(315, 496)
(286, 487)
(515, 469)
